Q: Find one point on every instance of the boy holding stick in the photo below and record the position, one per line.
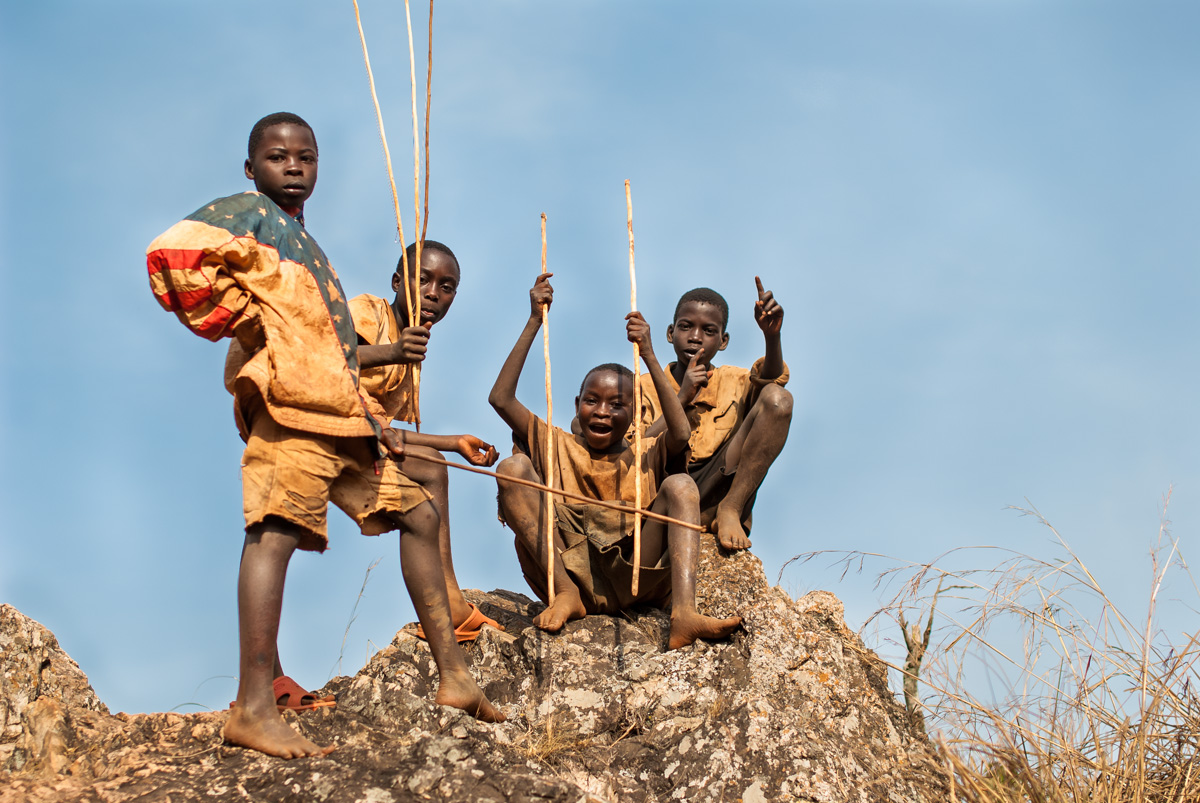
(593, 545)
(386, 350)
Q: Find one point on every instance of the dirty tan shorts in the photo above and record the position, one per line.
(597, 557)
(294, 475)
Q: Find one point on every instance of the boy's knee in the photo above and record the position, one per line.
(518, 465)
(681, 487)
(424, 471)
(421, 520)
(776, 401)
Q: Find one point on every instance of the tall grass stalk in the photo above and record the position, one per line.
(337, 667)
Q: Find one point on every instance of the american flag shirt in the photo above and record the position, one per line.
(242, 267)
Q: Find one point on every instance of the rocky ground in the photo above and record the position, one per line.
(792, 708)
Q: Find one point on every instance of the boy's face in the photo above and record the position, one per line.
(604, 409)
(438, 285)
(284, 165)
(698, 329)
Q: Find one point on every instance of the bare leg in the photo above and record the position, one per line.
(254, 721)
(753, 449)
(679, 499)
(523, 510)
(433, 478)
(421, 565)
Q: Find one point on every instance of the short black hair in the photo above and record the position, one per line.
(427, 245)
(610, 367)
(705, 295)
(278, 118)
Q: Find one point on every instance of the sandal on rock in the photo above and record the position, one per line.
(470, 629)
(291, 696)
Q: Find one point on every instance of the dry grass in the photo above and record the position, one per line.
(549, 741)
(1084, 702)
(337, 666)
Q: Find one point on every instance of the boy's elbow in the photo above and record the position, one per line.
(678, 439)
(676, 446)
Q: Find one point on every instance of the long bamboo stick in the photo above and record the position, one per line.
(637, 407)
(428, 104)
(537, 486)
(412, 72)
(387, 158)
(549, 462)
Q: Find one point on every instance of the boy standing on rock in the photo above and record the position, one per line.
(385, 351)
(739, 419)
(245, 267)
(593, 545)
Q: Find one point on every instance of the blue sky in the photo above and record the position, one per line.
(979, 217)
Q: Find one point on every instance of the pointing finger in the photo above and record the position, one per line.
(758, 284)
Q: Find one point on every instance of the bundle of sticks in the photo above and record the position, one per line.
(411, 291)
(419, 229)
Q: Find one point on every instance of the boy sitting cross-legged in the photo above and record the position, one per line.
(739, 419)
(385, 351)
(245, 267)
(593, 545)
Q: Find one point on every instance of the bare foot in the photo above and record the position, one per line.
(565, 608)
(460, 691)
(268, 733)
(687, 626)
(728, 527)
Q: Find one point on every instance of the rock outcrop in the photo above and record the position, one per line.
(791, 708)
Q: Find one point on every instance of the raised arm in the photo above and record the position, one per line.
(678, 430)
(503, 397)
(769, 317)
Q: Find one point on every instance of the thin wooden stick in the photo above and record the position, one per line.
(550, 440)
(537, 486)
(387, 158)
(428, 103)
(637, 407)
(412, 72)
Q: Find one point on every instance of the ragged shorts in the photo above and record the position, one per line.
(294, 475)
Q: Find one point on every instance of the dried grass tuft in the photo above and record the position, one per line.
(1084, 702)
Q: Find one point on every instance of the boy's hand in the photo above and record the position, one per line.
(767, 312)
(393, 442)
(540, 295)
(694, 377)
(476, 452)
(638, 331)
(413, 343)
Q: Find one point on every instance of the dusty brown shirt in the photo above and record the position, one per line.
(606, 476)
(390, 385)
(718, 409)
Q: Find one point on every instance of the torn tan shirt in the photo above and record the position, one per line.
(390, 385)
(597, 476)
(719, 407)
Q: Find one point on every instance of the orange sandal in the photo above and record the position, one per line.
(290, 696)
(469, 630)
